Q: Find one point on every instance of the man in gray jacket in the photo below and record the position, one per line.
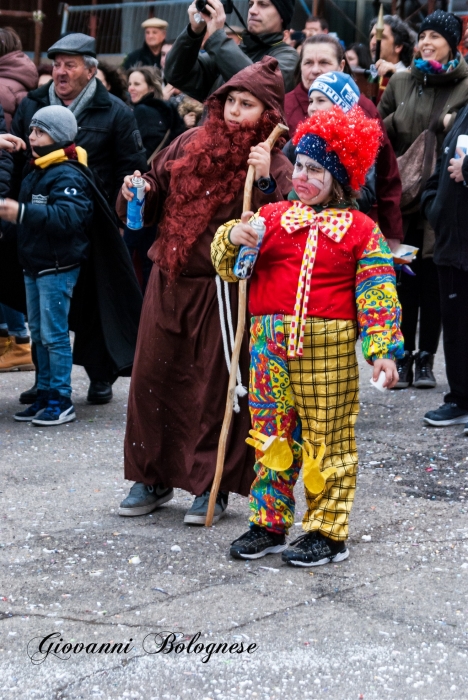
(200, 74)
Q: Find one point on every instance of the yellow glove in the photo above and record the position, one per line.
(277, 455)
(314, 479)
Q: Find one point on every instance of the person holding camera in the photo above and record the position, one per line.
(200, 74)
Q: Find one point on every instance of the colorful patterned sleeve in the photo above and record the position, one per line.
(224, 253)
(378, 308)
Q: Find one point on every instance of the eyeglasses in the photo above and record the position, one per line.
(314, 171)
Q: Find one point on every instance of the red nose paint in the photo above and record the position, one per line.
(307, 188)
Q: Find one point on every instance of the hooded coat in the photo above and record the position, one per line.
(18, 75)
(180, 377)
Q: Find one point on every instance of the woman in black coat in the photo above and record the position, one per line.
(159, 123)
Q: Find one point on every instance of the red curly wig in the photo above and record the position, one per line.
(210, 174)
(352, 136)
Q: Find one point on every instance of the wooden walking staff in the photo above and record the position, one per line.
(271, 140)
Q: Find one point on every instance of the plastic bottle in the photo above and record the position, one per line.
(247, 255)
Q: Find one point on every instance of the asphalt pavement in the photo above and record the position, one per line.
(390, 622)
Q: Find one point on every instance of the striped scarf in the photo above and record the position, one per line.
(80, 102)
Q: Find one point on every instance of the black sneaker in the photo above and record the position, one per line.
(423, 374)
(447, 414)
(144, 499)
(196, 515)
(405, 371)
(256, 543)
(36, 407)
(314, 549)
(465, 429)
(59, 410)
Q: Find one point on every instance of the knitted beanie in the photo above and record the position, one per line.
(286, 10)
(339, 88)
(56, 121)
(447, 25)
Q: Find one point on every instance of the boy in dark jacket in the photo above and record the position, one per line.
(54, 211)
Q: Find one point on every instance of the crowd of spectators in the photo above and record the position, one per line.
(125, 116)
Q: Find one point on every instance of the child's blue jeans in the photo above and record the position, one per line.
(48, 300)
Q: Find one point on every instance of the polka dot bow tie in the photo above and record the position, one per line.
(333, 223)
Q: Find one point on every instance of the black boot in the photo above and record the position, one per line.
(29, 396)
(99, 392)
(405, 371)
(423, 374)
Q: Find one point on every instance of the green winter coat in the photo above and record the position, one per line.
(407, 103)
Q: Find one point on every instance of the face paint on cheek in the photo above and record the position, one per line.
(309, 188)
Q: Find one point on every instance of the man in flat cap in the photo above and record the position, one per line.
(150, 53)
(107, 130)
(198, 75)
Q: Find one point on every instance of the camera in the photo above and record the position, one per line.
(227, 4)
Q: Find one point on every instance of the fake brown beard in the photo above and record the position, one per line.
(214, 162)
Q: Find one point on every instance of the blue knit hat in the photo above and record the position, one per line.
(340, 89)
(316, 148)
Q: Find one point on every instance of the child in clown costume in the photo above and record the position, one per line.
(323, 276)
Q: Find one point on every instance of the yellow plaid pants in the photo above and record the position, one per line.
(315, 396)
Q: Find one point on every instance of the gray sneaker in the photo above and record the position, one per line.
(144, 499)
(197, 513)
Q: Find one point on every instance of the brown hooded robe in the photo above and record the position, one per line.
(180, 377)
